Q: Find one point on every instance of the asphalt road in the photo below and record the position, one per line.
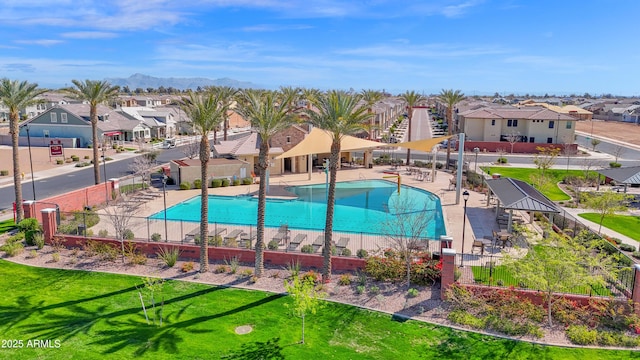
(611, 148)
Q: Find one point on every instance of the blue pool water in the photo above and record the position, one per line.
(365, 206)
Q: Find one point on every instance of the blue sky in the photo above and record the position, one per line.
(478, 46)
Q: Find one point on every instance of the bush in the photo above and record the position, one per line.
(636, 254)
(247, 181)
(38, 240)
(362, 253)
(627, 247)
(346, 252)
(12, 248)
(185, 185)
(462, 317)
(307, 249)
(197, 184)
(127, 234)
(236, 182)
(156, 237)
(344, 280)
(502, 160)
(360, 289)
(75, 158)
(216, 183)
(103, 233)
(412, 293)
(221, 269)
(55, 257)
(59, 161)
(374, 290)
(614, 164)
(169, 255)
(225, 182)
(188, 266)
(4, 172)
(581, 335)
(311, 275)
(273, 245)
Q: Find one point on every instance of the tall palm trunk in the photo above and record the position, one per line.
(262, 206)
(331, 200)
(409, 134)
(96, 159)
(204, 207)
(17, 174)
(449, 132)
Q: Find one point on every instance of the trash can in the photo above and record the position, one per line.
(81, 229)
(370, 166)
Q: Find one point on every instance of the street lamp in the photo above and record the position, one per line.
(164, 194)
(33, 183)
(476, 150)
(465, 197)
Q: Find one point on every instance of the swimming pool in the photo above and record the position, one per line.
(364, 206)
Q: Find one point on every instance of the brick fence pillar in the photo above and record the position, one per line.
(29, 208)
(448, 271)
(635, 296)
(49, 224)
(446, 242)
(114, 188)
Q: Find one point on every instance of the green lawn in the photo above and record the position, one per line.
(627, 225)
(98, 316)
(553, 192)
(7, 225)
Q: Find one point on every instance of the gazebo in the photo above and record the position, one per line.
(515, 194)
(624, 175)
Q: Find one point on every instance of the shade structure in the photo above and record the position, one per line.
(319, 142)
(624, 175)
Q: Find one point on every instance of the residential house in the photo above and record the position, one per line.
(161, 123)
(247, 149)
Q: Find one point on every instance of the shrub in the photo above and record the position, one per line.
(169, 255)
(412, 292)
(28, 224)
(374, 290)
(156, 237)
(362, 253)
(221, 269)
(236, 182)
(307, 249)
(59, 162)
(234, 264)
(614, 164)
(247, 181)
(4, 172)
(346, 252)
(103, 233)
(311, 275)
(127, 234)
(462, 317)
(273, 245)
(627, 247)
(33, 254)
(197, 184)
(38, 240)
(225, 182)
(188, 266)
(581, 335)
(360, 289)
(344, 280)
(247, 273)
(185, 185)
(75, 158)
(86, 157)
(216, 183)
(55, 257)
(636, 254)
(12, 248)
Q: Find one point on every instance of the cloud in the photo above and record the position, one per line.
(404, 49)
(275, 27)
(41, 42)
(89, 35)
(18, 67)
(458, 9)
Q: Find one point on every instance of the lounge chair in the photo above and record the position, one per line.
(318, 243)
(234, 234)
(192, 234)
(282, 235)
(293, 244)
(246, 240)
(342, 243)
(217, 232)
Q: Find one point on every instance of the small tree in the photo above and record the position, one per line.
(587, 165)
(545, 158)
(569, 150)
(513, 137)
(142, 166)
(191, 149)
(618, 151)
(557, 264)
(120, 215)
(406, 228)
(607, 203)
(594, 142)
(306, 298)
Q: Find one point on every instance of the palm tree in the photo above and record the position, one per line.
(227, 94)
(412, 98)
(206, 112)
(451, 98)
(95, 92)
(16, 96)
(370, 97)
(269, 113)
(340, 115)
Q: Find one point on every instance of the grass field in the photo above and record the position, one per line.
(98, 316)
(627, 225)
(553, 192)
(7, 225)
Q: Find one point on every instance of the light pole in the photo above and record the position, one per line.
(164, 194)
(465, 197)
(476, 150)
(33, 183)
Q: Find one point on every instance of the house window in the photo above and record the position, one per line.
(54, 117)
(552, 124)
(568, 125)
(45, 133)
(509, 122)
(515, 122)
(549, 140)
(63, 118)
(288, 139)
(512, 123)
(493, 122)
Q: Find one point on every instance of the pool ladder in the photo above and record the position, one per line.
(361, 177)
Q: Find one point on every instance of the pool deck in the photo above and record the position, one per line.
(480, 222)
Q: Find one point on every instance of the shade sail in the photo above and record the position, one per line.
(319, 142)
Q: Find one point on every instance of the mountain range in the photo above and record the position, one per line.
(145, 81)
